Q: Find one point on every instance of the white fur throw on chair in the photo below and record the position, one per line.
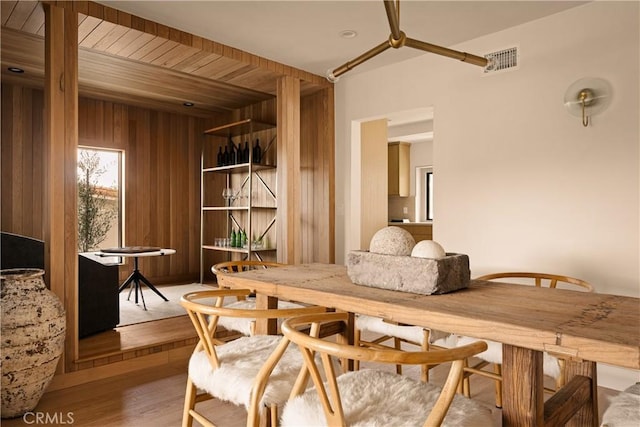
(624, 409)
(493, 354)
(409, 333)
(240, 361)
(373, 398)
(243, 324)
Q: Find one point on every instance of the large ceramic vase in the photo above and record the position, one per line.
(33, 331)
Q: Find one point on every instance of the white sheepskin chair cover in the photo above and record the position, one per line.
(624, 409)
(373, 398)
(241, 360)
(410, 333)
(493, 354)
(243, 324)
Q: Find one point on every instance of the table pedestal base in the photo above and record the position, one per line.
(136, 277)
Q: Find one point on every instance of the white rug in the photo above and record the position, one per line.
(132, 313)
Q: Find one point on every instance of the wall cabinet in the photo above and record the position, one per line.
(399, 174)
(238, 192)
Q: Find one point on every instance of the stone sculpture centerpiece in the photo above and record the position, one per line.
(394, 261)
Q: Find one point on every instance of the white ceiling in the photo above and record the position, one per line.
(305, 34)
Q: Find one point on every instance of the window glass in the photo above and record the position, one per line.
(100, 198)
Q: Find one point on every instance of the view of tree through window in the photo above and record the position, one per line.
(99, 199)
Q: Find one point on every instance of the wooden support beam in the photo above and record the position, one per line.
(567, 401)
(587, 415)
(289, 234)
(61, 141)
(525, 408)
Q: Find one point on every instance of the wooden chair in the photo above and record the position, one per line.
(624, 409)
(553, 366)
(246, 326)
(369, 396)
(386, 331)
(227, 370)
(242, 265)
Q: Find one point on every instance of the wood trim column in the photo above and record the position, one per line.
(289, 235)
(374, 184)
(327, 223)
(61, 141)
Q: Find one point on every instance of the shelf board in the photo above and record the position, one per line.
(243, 127)
(240, 167)
(238, 250)
(225, 208)
(235, 208)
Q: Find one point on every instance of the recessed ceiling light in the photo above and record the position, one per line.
(15, 70)
(188, 104)
(348, 34)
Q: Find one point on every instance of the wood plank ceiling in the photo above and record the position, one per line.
(124, 58)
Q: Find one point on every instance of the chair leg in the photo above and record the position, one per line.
(356, 342)
(424, 369)
(397, 345)
(274, 416)
(189, 403)
(497, 369)
(560, 380)
(466, 386)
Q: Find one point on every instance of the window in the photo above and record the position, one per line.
(424, 193)
(100, 198)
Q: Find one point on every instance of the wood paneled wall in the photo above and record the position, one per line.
(162, 174)
(22, 161)
(317, 168)
(162, 178)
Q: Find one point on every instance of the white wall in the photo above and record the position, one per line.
(520, 183)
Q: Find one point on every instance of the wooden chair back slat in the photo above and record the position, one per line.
(293, 330)
(205, 309)
(540, 278)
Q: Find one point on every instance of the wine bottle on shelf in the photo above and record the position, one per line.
(232, 151)
(257, 152)
(234, 238)
(245, 152)
(225, 156)
(220, 160)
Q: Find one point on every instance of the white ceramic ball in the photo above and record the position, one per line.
(392, 241)
(428, 249)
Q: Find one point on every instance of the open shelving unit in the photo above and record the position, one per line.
(252, 205)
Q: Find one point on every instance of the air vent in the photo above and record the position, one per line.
(502, 60)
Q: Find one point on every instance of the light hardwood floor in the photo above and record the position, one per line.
(154, 398)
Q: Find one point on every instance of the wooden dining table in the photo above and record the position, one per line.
(582, 328)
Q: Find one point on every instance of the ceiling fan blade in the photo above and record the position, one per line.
(360, 59)
(393, 16)
(444, 51)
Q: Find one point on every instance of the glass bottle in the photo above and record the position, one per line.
(225, 156)
(257, 152)
(220, 160)
(232, 152)
(245, 152)
(233, 238)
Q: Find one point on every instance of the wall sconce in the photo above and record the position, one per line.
(587, 97)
